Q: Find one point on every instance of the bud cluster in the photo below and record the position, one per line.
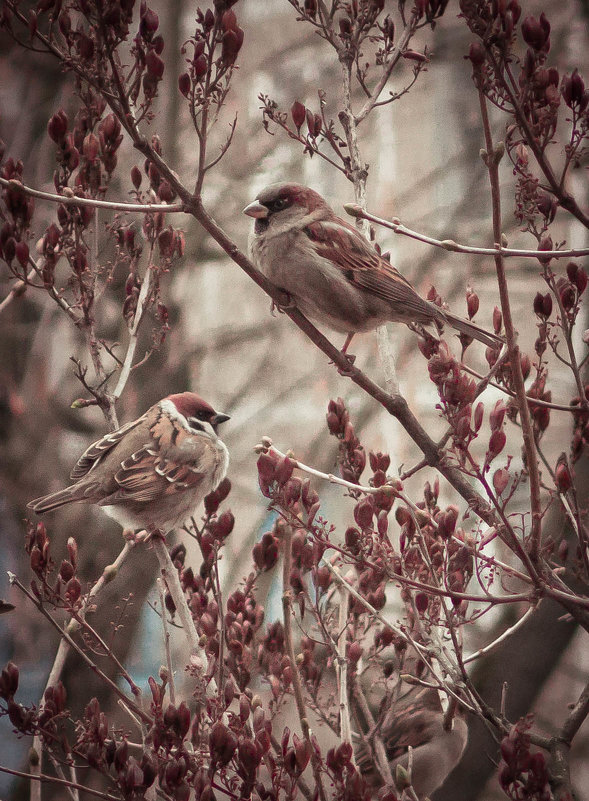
(352, 456)
(59, 588)
(523, 774)
(215, 46)
(14, 230)
(277, 482)
(456, 389)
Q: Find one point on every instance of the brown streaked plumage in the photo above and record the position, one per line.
(332, 273)
(151, 473)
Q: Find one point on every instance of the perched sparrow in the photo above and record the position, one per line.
(435, 751)
(154, 472)
(332, 273)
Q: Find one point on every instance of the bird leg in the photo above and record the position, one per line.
(349, 338)
(349, 356)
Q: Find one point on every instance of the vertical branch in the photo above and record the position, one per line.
(297, 684)
(359, 176)
(171, 684)
(142, 302)
(492, 159)
(170, 575)
(344, 705)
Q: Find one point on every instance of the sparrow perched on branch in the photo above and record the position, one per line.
(436, 745)
(151, 473)
(331, 272)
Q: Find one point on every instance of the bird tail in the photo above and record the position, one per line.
(473, 330)
(54, 500)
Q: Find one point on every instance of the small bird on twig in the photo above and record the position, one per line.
(154, 472)
(332, 273)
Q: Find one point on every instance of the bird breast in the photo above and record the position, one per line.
(318, 287)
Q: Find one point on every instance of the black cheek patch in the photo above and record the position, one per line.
(261, 225)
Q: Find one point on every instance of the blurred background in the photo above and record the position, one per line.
(423, 152)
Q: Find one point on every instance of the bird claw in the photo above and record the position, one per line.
(141, 536)
(346, 371)
(283, 307)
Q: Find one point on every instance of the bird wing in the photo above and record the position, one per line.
(147, 476)
(100, 448)
(365, 268)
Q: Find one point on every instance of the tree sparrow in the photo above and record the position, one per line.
(417, 723)
(151, 473)
(332, 273)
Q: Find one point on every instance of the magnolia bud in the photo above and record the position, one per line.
(298, 112)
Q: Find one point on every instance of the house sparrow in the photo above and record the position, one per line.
(331, 272)
(417, 721)
(151, 473)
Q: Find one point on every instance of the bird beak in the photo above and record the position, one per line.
(219, 418)
(256, 210)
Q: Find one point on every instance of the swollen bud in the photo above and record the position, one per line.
(298, 112)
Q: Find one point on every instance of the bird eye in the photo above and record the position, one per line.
(277, 205)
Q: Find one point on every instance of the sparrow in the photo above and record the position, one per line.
(151, 473)
(416, 722)
(331, 272)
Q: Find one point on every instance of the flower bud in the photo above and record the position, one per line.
(562, 477)
(222, 743)
(421, 602)
(363, 513)
(536, 33)
(284, 470)
(21, 251)
(57, 126)
(543, 305)
(496, 444)
(477, 54)
(313, 123)
(472, 303)
(545, 244)
(478, 416)
(9, 681)
(500, 480)
(155, 65)
(497, 416)
(184, 84)
(576, 275)
(354, 652)
(573, 91)
(90, 147)
(298, 112)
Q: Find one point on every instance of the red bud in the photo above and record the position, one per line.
(298, 112)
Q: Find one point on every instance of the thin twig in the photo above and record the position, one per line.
(382, 763)
(170, 667)
(95, 669)
(17, 290)
(142, 300)
(63, 782)
(395, 225)
(198, 657)
(344, 705)
(297, 685)
(74, 200)
(492, 158)
(395, 55)
(108, 574)
(505, 636)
